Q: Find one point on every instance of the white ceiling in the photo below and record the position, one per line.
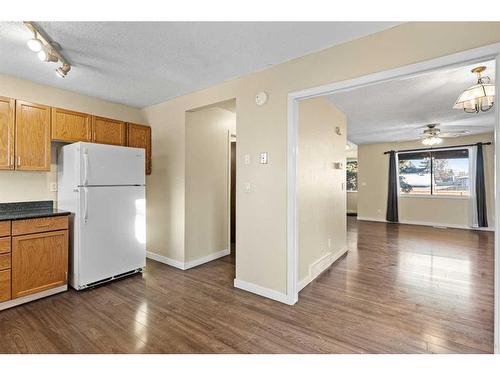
(398, 110)
(143, 63)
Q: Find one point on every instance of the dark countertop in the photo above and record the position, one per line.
(29, 210)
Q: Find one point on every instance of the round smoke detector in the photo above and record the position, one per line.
(261, 98)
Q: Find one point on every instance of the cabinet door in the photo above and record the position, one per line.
(32, 137)
(39, 262)
(111, 132)
(7, 108)
(5, 285)
(69, 126)
(140, 136)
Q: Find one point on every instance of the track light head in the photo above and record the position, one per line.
(63, 70)
(46, 55)
(35, 44)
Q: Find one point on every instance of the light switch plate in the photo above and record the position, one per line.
(263, 158)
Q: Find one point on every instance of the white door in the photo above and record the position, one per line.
(111, 165)
(112, 232)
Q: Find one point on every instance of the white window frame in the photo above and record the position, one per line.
(433, 196)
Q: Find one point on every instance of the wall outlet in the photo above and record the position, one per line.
(53, 186)
(247, 188)
(247, 159)
(263, 158)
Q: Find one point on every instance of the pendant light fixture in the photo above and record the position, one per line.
(477, 98)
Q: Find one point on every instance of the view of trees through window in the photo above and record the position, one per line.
(443, 172)
(352, 175)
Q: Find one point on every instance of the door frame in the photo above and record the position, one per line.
(465, 57)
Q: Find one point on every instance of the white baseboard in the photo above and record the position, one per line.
(321, 265)
(188, 264)
(206, 259)
(32, 297)
(262, 291)
(165, 260)
(428, 224)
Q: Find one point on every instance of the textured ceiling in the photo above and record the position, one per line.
(144, 63)
(398, 110)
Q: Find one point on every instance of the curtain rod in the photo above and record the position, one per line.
(441, 148)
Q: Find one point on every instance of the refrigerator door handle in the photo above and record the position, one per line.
(86, 205)
(85, 166)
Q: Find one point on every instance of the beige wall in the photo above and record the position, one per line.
(262, 214)
(207, 146)
(320, 187)
(372, 186)
(27, 186)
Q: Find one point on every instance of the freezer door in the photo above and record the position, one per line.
(112, 228)
(111, 165)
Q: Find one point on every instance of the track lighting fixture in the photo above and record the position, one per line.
(47, 50)
(63, 70)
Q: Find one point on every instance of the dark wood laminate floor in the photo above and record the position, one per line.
(400, 289)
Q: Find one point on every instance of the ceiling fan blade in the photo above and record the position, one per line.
(453, 134)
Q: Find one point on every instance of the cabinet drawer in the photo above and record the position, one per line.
(44, 224)
(4, 245)
(5, 285)
(4, 261)
(4, 228)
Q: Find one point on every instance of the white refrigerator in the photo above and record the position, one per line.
(104, 187)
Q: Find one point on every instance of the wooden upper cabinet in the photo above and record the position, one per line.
(32, 138)
(111, 132)
(70, 126)
(39, 262)
(140, 136)
(7, 110)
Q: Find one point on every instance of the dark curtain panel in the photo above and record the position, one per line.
(482, 219)
(392, 195)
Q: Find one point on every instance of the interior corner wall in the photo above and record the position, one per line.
(321, 194)
(16, 186)
(207, 182)
(373, 169)
(261, 233)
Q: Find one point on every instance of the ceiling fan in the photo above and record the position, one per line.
(432, 135)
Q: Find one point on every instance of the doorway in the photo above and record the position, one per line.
(471, 56)
(210, 131)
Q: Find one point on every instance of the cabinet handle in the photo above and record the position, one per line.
(12, 160)
(18, 161)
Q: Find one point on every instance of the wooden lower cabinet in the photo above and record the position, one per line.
(4, 285)
(39, 262)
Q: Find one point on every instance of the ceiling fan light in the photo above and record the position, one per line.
(432, 141)
(34, 44)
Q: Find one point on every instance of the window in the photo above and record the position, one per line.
(352, 175)
(442, 173)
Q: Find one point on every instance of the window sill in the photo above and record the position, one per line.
(423, 196)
